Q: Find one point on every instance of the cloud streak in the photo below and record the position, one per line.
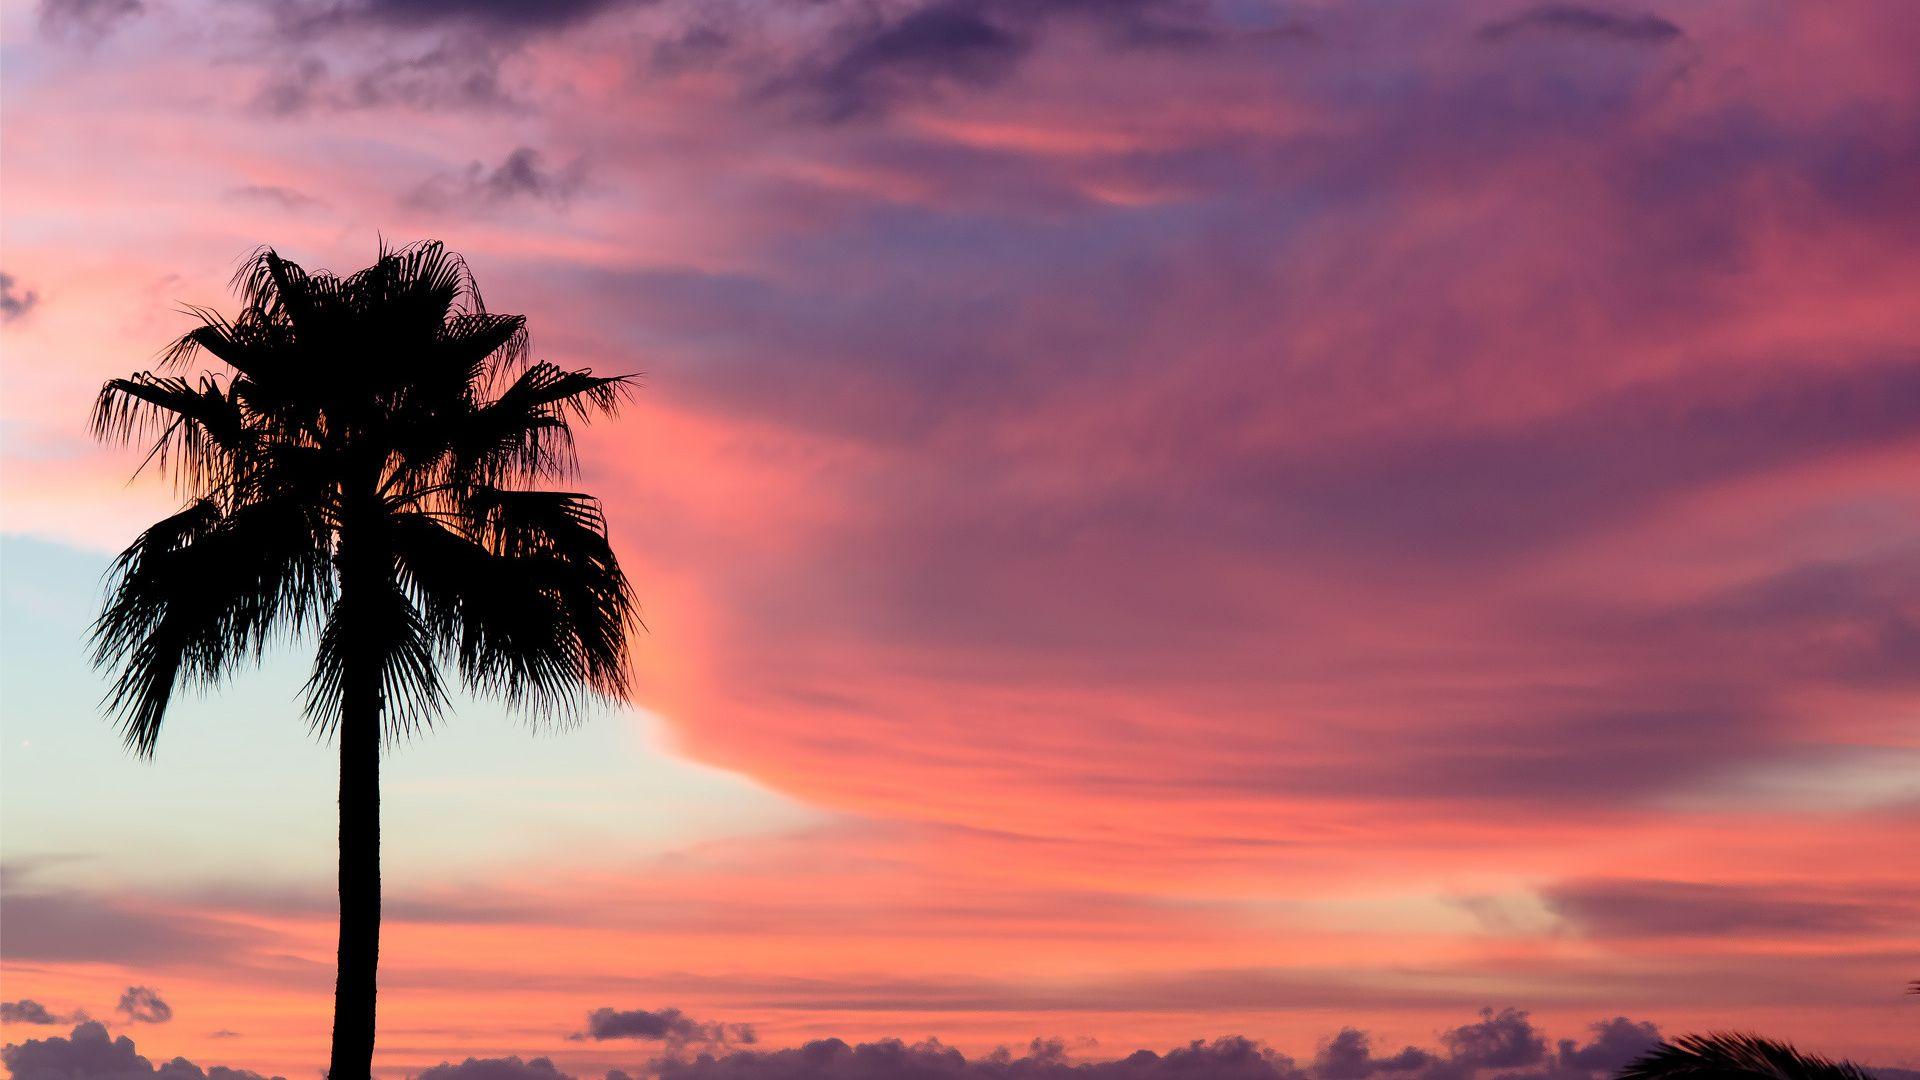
(670, 1026)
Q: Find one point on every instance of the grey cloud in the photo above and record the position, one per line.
(85, 20)
(1615, 1043)
(1652, 908)
(417, 54)
(451, 74)
(90, 1053)
(1232, 1058)
(1574, 19)
(450, 907)
(28, 1011)
(285, 198)
(496, 15)
(521, 175)
(952, 41)
(874, 61)
(463, 74)
(666, 1025)
(72, 926)
(1499, 1040)
(507, 1068)
(692, 48)
(15, 302)
(293, 87)
(1497, 1044)
(143, 1005)
(1349, 1056)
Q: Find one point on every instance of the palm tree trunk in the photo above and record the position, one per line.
(353, 994)
(359, 734)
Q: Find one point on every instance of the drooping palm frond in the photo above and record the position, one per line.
(197, 429)
(1736, 1056)
(199, 593)
(391, 405)
(548, 626)
(523, 436)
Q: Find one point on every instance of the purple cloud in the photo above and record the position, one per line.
(142, 1005)
(89, 1053)
(1576, 19)
(28, 1011)
(667, 1025)
(1636, 909)
(15, 302)
(507, 1068)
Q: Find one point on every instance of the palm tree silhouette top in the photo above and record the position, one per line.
(368, 470)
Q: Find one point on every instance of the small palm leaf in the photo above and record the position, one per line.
(1736, 1056)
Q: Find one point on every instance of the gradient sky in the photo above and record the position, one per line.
(1157, 518)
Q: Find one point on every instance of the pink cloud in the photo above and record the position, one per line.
(1179, 503)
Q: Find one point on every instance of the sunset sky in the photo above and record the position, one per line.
(1155, 519)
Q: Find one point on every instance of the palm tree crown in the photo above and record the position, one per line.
(367, 469)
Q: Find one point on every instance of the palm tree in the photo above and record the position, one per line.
(1732, 1056)
(366, 471)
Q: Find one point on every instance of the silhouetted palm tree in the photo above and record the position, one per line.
(365, 471)
(1730, 1056)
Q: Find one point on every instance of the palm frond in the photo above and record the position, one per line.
(1736, 1056)
(525, 598)
(468, 342)
(416, 280)
(196, 427)
(384, 625)
(525, 434)
(198, 594)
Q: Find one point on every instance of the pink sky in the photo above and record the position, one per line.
(1157, 520)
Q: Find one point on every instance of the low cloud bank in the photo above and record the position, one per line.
(92, 1054)
(1504, 1040)
(1501, 1043)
